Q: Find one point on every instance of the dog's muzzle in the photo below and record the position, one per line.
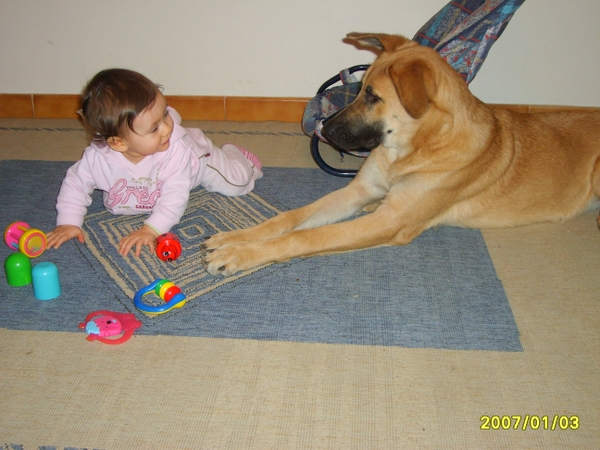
(350, 135)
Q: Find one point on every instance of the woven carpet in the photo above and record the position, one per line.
(441, 291)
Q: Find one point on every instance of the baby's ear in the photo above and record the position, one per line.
(117, 144)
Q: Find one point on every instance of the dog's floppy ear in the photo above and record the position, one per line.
(377, 43)
(415, 85)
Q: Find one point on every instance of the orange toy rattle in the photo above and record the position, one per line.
(29, 241)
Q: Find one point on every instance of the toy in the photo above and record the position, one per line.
(102, 324)
(29, 241)
(168, 247)
(166, 290)
(46, 285)
(18, 269)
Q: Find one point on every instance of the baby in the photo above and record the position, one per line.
(144, 161)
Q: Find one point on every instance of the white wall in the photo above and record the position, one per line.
(280, 48)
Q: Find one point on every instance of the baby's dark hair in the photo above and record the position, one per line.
(112, 100)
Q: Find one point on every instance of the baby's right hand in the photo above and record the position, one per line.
(63, 233)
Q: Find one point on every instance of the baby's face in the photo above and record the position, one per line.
(151, 132)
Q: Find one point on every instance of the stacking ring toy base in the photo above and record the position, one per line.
(166, 290)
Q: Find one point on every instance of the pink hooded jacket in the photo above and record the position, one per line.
(160, 184)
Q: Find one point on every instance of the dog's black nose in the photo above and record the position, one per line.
(331, 132)
(351, 136)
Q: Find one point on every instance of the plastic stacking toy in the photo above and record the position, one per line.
(100, 325)
(168, 247)
(46, 285)
(18, 269)
(166, 290)
(29, 241)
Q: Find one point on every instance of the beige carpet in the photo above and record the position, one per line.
(57, 389)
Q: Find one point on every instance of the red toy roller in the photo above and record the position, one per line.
(168, 247)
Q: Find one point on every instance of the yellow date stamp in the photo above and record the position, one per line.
(529, 422)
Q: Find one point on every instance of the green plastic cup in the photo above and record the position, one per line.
(18, 269)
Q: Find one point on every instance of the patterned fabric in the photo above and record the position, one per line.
(463, 33)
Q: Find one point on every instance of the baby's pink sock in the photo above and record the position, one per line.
(250, 157)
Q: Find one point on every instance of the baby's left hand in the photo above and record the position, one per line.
(139, 238)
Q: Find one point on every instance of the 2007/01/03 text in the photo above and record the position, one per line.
(531, 422)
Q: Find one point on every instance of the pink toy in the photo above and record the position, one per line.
(103, 324)
(29, 241)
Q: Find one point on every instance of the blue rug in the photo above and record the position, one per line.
(441, 291)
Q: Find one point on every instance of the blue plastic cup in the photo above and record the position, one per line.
(46, 285)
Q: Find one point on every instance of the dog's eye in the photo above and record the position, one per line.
(370, 97)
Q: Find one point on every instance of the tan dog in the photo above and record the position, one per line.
(440, 157)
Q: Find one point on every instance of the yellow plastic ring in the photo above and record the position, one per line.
(32, 242)
(164, 288)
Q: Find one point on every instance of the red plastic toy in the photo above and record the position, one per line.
(168, 247)
(103, 324)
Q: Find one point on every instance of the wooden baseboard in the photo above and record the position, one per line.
(236, 109)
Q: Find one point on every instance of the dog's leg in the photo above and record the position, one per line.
(383, 227)
(596, 186)
(336, 206)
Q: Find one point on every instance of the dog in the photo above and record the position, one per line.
(439, 156)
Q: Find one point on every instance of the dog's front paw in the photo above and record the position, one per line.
(227, 260)
(226, 238)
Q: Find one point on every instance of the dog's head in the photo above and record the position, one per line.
(404, 93)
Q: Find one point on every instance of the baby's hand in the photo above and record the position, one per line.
(139, 238)
(63, 233)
